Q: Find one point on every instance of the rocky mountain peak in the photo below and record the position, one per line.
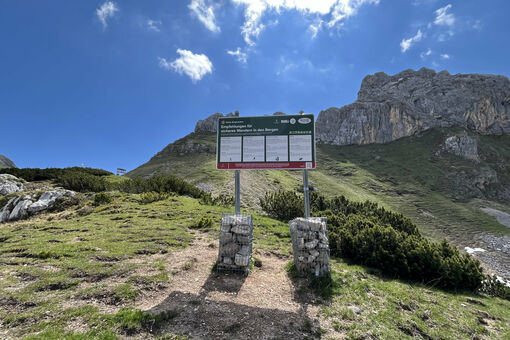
(392, 107)
(6, 162)
(210, 124)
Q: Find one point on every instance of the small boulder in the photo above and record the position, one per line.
(10, 184)
(20, 210)
(47, 199)
(354, 309)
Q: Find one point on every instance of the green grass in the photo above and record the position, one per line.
(405, 176)
(391, 309)
(48, 260)
(47, 263)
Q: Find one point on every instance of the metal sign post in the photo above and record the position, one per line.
(238, 191)
(306, 193)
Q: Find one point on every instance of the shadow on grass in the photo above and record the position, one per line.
(307, 289)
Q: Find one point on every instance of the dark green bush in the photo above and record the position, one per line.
(367, 241)
(82, 182)
(493, 287)
(283, 205)
(203, 223)
(162, 184)
(75, 178)
(223, 200)
(373, 236)
(149, 197)
(36, 174)
(102, 198)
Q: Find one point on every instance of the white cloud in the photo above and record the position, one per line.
(478, 25)
(406, 44)
(425, 54)
(195, 66)
(445, 56)
(205, 14)
(154, 25)
(239, 55)
(335, 10)
(443, 18)
(107, 10)
(315, 28)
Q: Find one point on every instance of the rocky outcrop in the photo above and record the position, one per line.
(21, 207)
(6, 162)
(462, 146)
(210, 124)
(392, 107)
(185, 146)
(10, 184)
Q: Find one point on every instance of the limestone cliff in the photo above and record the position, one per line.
(392, 107)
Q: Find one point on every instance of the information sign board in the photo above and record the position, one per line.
(267, 142)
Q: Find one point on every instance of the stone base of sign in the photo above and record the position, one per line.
(234, 253)
(310, 246)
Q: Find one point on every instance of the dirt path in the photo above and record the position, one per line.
(209, 305)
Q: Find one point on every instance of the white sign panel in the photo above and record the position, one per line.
(253, 149)
(300, 150)
(230, 149)
(277, 149)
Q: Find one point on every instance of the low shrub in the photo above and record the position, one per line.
(149, 197)
(494, 287)
(162, 184)
(203, 223)
(102, 198)
(75, 178)
(370, 235)
(282, 205)
(368, 241)
(223, 200)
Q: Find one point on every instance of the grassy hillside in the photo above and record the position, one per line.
(406, 175)
(132, 270)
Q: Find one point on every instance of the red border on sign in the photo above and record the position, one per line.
(268, 165)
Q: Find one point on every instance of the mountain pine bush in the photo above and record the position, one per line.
(369, 235)
(162, 184)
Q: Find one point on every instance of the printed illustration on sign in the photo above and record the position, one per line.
(300, 148)
(253, 149)
(277, 149)
(230, 150)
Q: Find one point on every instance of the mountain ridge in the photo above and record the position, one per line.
(6, 162)
(409, 102)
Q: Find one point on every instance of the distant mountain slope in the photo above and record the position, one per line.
(6, 162)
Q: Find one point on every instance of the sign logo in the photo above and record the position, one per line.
(304, 120)
(293, 121)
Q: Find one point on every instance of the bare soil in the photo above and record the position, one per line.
(266, 304)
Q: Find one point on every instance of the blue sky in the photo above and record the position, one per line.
(109, 84)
